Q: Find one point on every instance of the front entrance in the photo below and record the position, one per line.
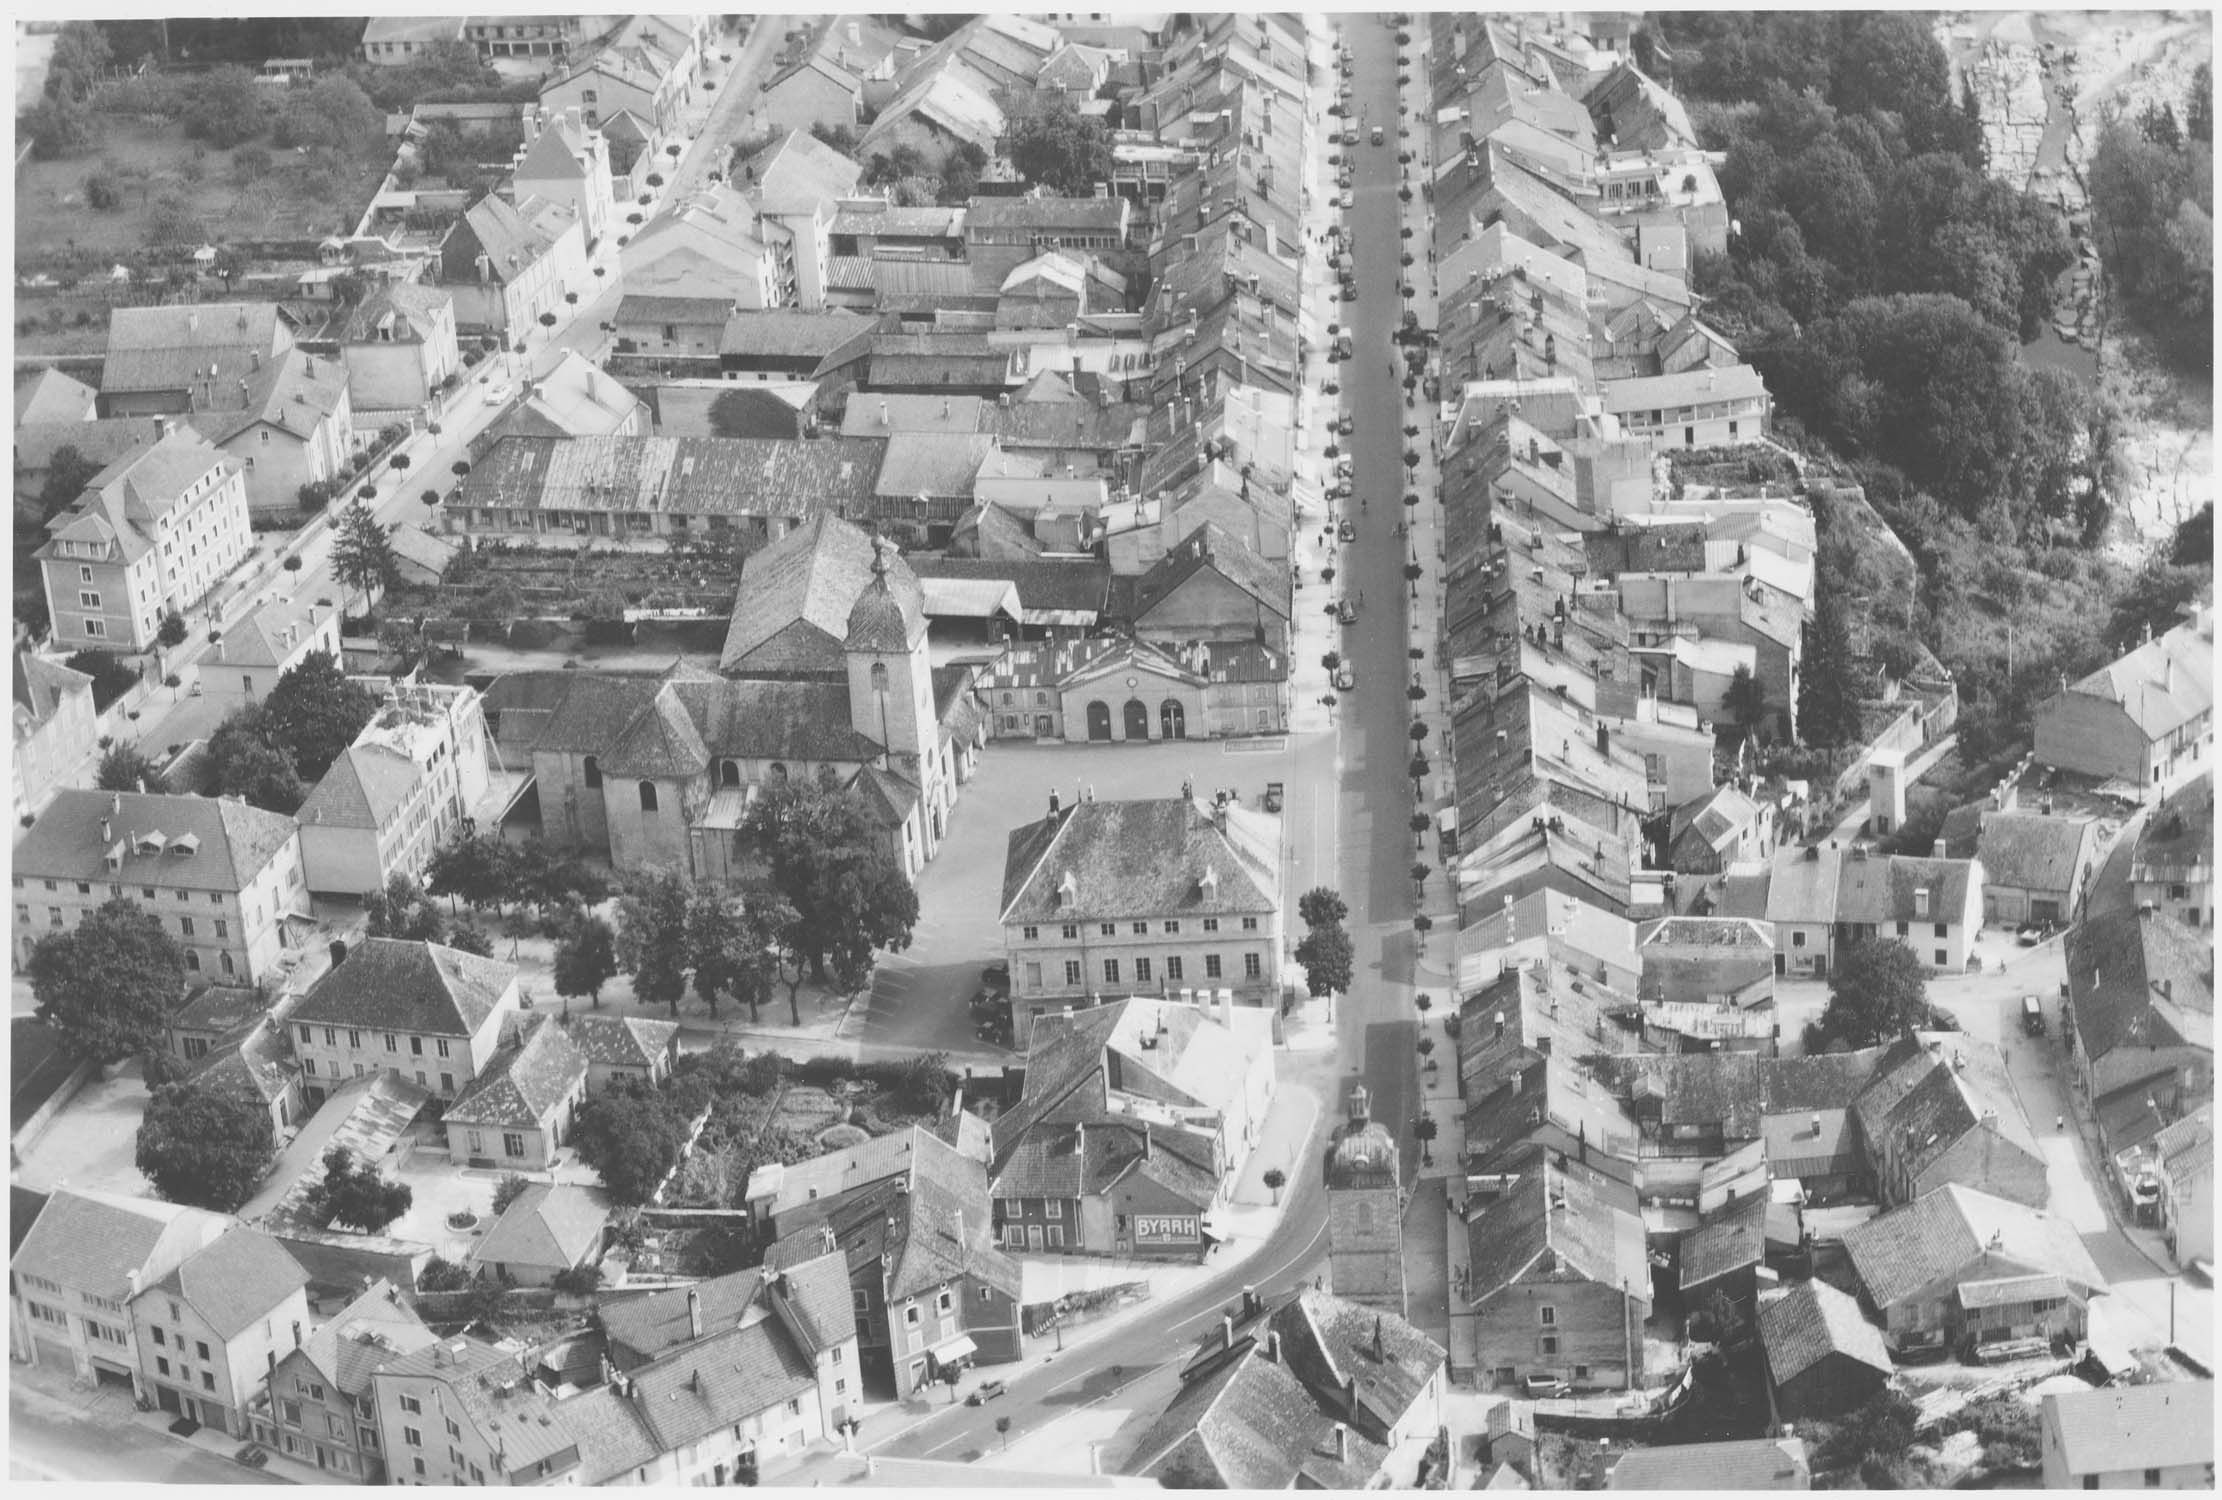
(1137, 719)
(1044, 726)
(166, 1398)
(1099, 719)
(1172, 718)
(1033, 1236)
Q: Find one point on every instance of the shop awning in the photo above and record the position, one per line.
(957, 1350)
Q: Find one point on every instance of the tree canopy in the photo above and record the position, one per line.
(354, 1195)
(106, 985)
(315, 710)
(125, 768)
(1877, 993)
(652, 936)
(243, 759)
(1322, 906)
(632, 1137)
(849, 896)
(1051, 144)
(362, 552)
(585, 958)
(206, 1146)
(1327, 957)
(2152, 206)
(402, 909)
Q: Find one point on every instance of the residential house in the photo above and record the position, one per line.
(180, 358)
(1139, 897)
(566, 160)
(722, 1382)
(1715, 962)
(419, 556)
(506, 265)
(205, 1018)
(465, 1411)
(1823, 1357)
(815, 91)
(399, 347)
(574, 399)
(647, 66)
(265, 644)
(776, 1189)
(224, 879)
(1558, 1283)
(524, 1100)
(1959, 1268)
(405, 787)
(526, 36)
(1718, 830)
(1801, 904)
(399, 41)
(798, 185)
(317, 1405)
(1132, 1121)
(2035, 868)
(53, 724)
(255, 1064)
(2172, 869)
(100, 441)
(784, 344)
(153, 535)
(412, 1009)
(1002, 233)
(290, 423)
(1718, 1262)
(1825, 899)
(1700, 408)
(1705, 1468)
(77, 1268)
(624, 1050)
(1939, 1109)
(211, 1328)
(49, 396)
(2125, 1437)
(928, 1285)
(2144, 720)
(1807, 1124)
(547, 1230)
(2183, 1154)
(2141, 1005)
(1320, 1393)
(688, 270)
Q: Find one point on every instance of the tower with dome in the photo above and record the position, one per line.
(1365, 1211)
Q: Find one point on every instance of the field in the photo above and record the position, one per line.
(54, 224)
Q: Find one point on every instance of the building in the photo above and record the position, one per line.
(182, 358)
(688, 270)
(76, 1270)
(623, 1050)
(647, 66)
(224, 879)
(1957, 1268)
(1719, 1260)
(290, 423)
(1062, 690)
(211, 1328)
(100, 442)
(1823, 1356)
(1101, 898)
(414, 1010)
(1558, 1283)
(399, 348)
(153, 535)
(2141, 1005)
(1701, 408)
(1808, 1131)
(2145, 1437)
(506, 265)
(257, 1065)
(2173, 867)
(398, 41)
(529, 36)
(50, 397)
(547, 1230)
(407, 786)
(1212, 586)
(929, 1286)
(2145, 720)
(567, 161)
(53, 723)
(522, 1102)
(2184, 1163)
(778, 1189)
(1941, 1109)
(316, 1405)
(464, 1411)
(1365, 1211)
(1703, 1468)
(1723, 828)
(265, 644)
(575, 399)
(1320, 1393)
(815, 91)
(1822, 900)
(782, 344)
(2035, 868)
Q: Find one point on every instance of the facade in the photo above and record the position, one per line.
(1940, 1109)
(2141, 1005)
(464, 1411)
(316, 1405)
(1558, 1284)
(210, 1329)
(397, 41)
(52, 719)
(2173, 867)
(1065, 690)
(504, 265)
(1723, 828)
(415, 1010)
(402, 790)
(815, 91)
(622, 1050)
(2184, 1163)
(647, 67)
(1138, 897)
(1701, 408)
(1365, 1212)
(519, 1109)
(224, 879)
(290, 424)
(77, 1269)
(567, 161)
(265, 645)
(548, 1229)
(2035, 868)
(2129, 1437)
(398, 347)
(153, 534)
(2146, 720)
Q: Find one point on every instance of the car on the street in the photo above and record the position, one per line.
(1347, 532)
(1347, 612)
(1349, 200)
(2032, 1016)
(1346, 425)
(1545, 1387)
(1350, 137)
(1378, 137)
(1343, 346)
(987, 1391)
(498, 393)
(1345, 679)
(2033, 934)
(997, 977)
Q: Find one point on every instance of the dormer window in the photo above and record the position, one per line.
(150, 843)
(185, 845)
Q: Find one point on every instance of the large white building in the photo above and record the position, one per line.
(399, 792)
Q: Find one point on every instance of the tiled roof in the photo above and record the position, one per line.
(377, 1326)
(1827, 1080)
(932, 1223)
(1144, 858)
(270, 636)
(526, 1083)
(40, 685)
(1812, 1322)
(1933, 1090)
(2137, 980)
(1078, 586)
(365, 787)
(219, 1009)
(1732, 1238)
(2176, 845)
(2162, 685)
(2134, 1428)
(388, 984)
(505, 234)
(51, 396)
(796, 596)
(1550, 1210)
(836, 1172)
(122, 508)
(294, 393)
(783, 332)
(168, 348)
(102, 440)
(2186, 1146)
(1949, 1231)
(1702, 1468)
(614, 1441)
(932, 463)
(230, 841)
(620, 1041)
(260, 1065)
(799, 170)
(556, 1225)
(719, 1383)
(647, 1327)
(91, 1242)
(488, 1385)
(235, 1281)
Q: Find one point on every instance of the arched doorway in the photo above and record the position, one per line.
(1137, 719)
(1099, 719)
(1172, 719)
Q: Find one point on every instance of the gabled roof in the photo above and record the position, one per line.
(2162, 685)
(525, 1083)
(786, 333)
(488, 1385)
(1812, 1322)
(620, 1041)
(796, 596)
(1931, 1090)
(51, 396)
(1550, 1212)
(236, 1281)
(93, 1242)
(1143, 858)
(270, 636)
(1703, 1468)
(377, 1326)
(1957, 1231)
(512, 236)
(799, 171)
(209, 844)
(2138, 980)
(556, 1225)
(1733, 1238)
(122, 508)
(102, 440)
(389, 984)
(173, 348)
(394, 311)
(2029, 851)
(40, 685)
(932, 1223)
(2185, 1147)
(366, 787)
(2134, 1427)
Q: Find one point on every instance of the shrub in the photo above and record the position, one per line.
(102, 193)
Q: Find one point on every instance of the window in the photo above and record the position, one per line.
(393, 1043)
(1547, 1315)
(1253, 967)
(411, 1405)
(1173, 966)
(1548, 1344)
(910, 1316)
(1141, 971)
(1030, 933)
(161, 1366)
(1071, 929)
(223, 928)
(1072, 971)
(86, 599)
(420, 1467)
(453, 1431)
(1211, 966)
(366, 1438)
(208, 1381)
(1033, 977)
(1107, 929)
(1797, 940)
(413, 1438)
(512, 1143)
(354, 1038)
(1943, 930)
(1053, 1208)
(1110, 971)
(1249, 924)
(648, 796)
(593, 772)
(1942, 960)
(943, 1302)
(439, 1045)
(95, 628)
(160, 1340)
(2152, 1479)
(416, 1046)
(1211, 924)
(201, 1349)
(1172, 927)
(1141, 929)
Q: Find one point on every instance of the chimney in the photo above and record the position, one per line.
(1342, 1442)
(1273, 1345)
(1226, 1331)
(339, 952)
(296, 1333)
(163, 427)
(1604, 740)
(107, 833)
(1052, 804)
(1816, 1123)
(883, 412)
(694, 1312)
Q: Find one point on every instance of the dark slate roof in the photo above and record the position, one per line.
(1694, 1088)
(235, 1281)
(649, 1326)
(24, 1208)
(1826, 1080)
(796, 597)
(1144, 858)
(388, 984)
(2032, 852)
(1950, 1231)
(2135, 980)
(1813, 1322)
(231, 842)
(932, 1222)
(1732, 1238)
(218, 1008)
(1550, 1210)
(525, 1083)
(620, 1041)
(786, 333)
(1212, 546)
(377, 1326)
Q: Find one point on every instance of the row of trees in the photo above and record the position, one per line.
(2152, 210)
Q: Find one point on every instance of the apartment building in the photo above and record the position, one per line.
(80, 1263)
(316, 1404)
(416, 1010)
(399, 792)
(465, 1411)
(211, 1328)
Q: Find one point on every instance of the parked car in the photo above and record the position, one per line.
(1347, 425)
(2033, 934)
(498, 393)
(1378, 137)
(1347, 612)
(2032, 1016)
(1545, 1387)
(1345, 679)
(987, 1391)
(997, 977)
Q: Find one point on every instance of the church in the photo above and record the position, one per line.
(825, 665)
(1365, 1211)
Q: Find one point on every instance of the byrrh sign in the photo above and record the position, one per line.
(1165, 1229)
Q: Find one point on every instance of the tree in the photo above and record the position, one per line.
(586, 958)
(59, 125)
(1051, 144)
(125, 769)
(508, 1190)
(79, 57)
(949, 1375)
(315, 711)
(1322, 906)
(111, 677)
(355, 1195)
(403, 910)
(1424, 1130)
(68, 474)
(174, 224)
(1745, 699)
(469, 937)
(1328, 959)
(333, 113)
(106, 985)
(480, 868)
(848, 894)
(204, 1146)
(652, 937)
(733, 944)
(244, 759)
(1275, 1179)
(362, 553)
(171, 632)
(227, 108)
(632, 1138)
(1877, 993)
(442, 1275)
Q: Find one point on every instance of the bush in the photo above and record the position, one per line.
(102, 193)
(111, 678)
